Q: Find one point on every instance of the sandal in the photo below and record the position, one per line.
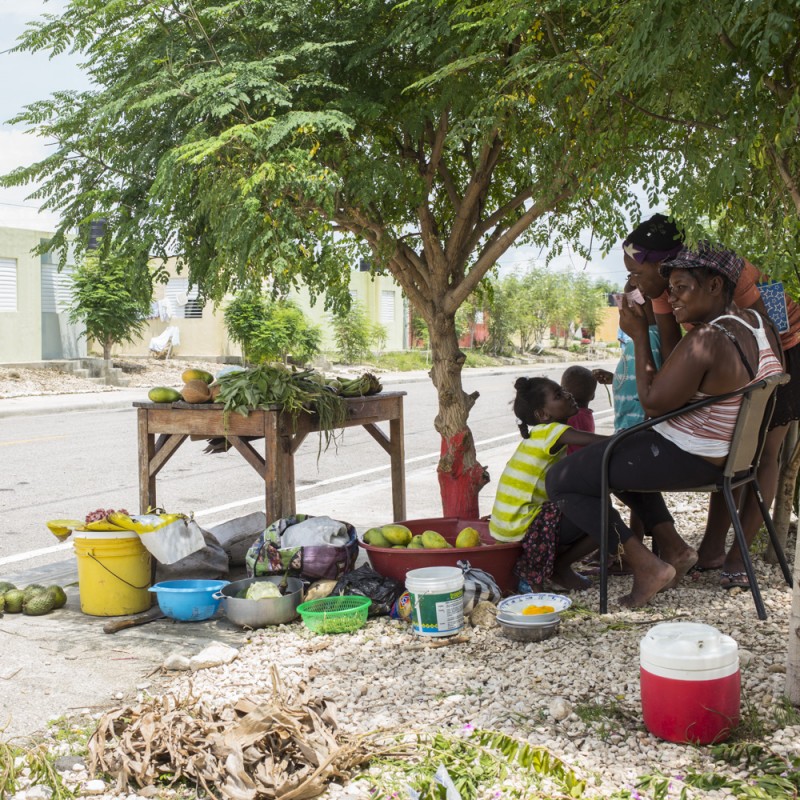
(698, 569)
(734, 580)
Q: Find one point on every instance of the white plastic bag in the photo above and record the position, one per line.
(174, 540)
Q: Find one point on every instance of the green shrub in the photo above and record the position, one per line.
(109, 300)
(271, 331)
(352, 334)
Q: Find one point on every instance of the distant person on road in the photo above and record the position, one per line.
(550, 543)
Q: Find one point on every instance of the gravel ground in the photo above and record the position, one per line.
(576, 694)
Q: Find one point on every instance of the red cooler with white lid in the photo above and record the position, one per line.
(690, 682)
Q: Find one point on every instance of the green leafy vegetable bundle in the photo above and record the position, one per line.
(295, 391)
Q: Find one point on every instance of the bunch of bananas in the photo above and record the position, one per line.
(110, 520)
(359, 387)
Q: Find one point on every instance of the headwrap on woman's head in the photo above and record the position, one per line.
(654, 240)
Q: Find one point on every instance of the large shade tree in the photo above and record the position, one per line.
(252, 138)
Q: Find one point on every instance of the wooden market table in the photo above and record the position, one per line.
(173, 423)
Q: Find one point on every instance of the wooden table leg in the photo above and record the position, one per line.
(398, 457)
(147, 446)
(272, 499)
(286, 470)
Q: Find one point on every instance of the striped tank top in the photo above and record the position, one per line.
(708, 431)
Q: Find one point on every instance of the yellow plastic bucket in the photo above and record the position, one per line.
(113, 573)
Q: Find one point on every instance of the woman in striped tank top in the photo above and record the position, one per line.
(726, 349)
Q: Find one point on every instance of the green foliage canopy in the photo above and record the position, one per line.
(246, 143)
(722, 79)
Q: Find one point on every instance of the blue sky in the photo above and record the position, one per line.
(27, 77)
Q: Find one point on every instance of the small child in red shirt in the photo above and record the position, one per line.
(581, 384)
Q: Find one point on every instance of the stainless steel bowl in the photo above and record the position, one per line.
(260, 613)
(528, 633)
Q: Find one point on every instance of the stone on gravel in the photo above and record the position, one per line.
(39, 792)
(68, 763)
(559, 709)
(95, 786)
(214, 655)
(176, 661)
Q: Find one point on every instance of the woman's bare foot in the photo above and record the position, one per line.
(646, 585)
(674, 550)
(650, 574)
(682, 562)
(566, 578)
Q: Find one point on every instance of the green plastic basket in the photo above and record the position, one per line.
(342, 614)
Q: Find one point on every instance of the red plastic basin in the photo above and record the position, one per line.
(494, 557)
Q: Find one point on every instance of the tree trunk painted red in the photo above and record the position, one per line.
(460, 485)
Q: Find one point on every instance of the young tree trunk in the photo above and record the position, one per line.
(784, 499)
(793, 654)
(461, 477)
(107, 344)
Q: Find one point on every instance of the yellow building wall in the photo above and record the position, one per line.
(606, 331)
(367, 291)
(204, 338)
(207, 339)
(21, 330)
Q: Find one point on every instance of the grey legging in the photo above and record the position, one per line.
(644, 464)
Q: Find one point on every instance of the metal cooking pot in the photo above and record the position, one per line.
(260, 613)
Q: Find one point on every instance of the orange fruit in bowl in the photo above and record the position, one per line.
(535, 610)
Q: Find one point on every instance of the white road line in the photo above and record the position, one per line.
(34, 553)
(384, 467)
(260, 498)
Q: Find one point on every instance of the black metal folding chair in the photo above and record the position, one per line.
(740, 468)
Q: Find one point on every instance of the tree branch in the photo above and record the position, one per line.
(781, 92)
(786, 176)
(496, 216)
(468, 213)
(438, 139)
(407, 259)
(496, 247)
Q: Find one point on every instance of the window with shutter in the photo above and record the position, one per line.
(183, 299)
(387, 306)
(47, 258)
(8, 284)
(56, 289)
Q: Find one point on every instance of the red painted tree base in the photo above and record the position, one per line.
(459, 484)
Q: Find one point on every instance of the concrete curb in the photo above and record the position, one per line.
(123, 398)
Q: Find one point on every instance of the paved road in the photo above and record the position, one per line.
(64, 465)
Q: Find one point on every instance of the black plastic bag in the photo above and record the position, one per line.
(366, 582)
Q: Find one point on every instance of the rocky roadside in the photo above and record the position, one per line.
(144, 373)
(576, 695)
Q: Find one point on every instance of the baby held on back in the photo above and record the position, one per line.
(521, 509)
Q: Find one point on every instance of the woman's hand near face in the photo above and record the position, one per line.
(632, 319)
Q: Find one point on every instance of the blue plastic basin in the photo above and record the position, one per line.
(188, 600)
